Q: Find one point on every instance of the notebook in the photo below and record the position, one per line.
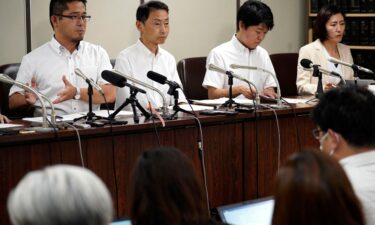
(121, 222)
(254, 212)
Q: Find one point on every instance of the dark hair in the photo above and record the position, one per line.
(165, 190)
(312, 188)
(322, 18)
(57, 7)
(144, 10)
(349, 111)
(253, 13)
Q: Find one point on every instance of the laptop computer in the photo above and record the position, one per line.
(124, 221)
(254, 212)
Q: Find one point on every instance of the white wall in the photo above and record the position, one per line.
(13, 31)
(289, 32)
(196, 26)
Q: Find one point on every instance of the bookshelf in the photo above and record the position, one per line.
(360, 28)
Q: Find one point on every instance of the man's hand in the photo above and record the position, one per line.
(30, 97)
(270, 92)
(4, 119)
(245, 91)
(67, 93)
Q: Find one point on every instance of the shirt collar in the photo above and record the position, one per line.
(239, 46)
(147, 51)
(360, 159)
(57, 47)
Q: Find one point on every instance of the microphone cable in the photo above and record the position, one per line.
(200, 142)
(295, 124)
(278, 136)
(113, 152)
(79, 142)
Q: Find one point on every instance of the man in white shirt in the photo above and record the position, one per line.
(147, 55)
(254, 20)
(346, 123)
(50, 68)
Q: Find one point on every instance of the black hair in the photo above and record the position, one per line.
(144, 10)
(322, 18)
(57, 7)
(253, 13)
(349, 111)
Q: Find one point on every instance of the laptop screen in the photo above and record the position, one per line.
(255, 212)
(121, 222)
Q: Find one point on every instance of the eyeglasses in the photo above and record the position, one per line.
(316, 133)
(84, 18)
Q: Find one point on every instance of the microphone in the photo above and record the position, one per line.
(115, 73)
(353, 66)
(118, 80)
(6, 79)
(114, 78)
(163, 80)
(90, 81)
(235, 66)
(308, 64)
(230, 73)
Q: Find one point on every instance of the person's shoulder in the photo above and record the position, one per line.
(343, 46)
(88, 46)
(39, 51)
(166, 54)
(128, 50)
(260, 50)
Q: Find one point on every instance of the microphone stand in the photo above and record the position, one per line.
(90, 116)
(230, 101)
(173, 91)
(319, 88)
(133, 101)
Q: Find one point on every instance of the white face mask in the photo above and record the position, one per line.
(321, 140)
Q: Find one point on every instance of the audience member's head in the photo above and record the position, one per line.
(165, 190)
(312, 188)
(322, 26)
(62, 194)
(345, 118)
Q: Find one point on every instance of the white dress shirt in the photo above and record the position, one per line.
(51, 61)
(234, 52)
(360, 169)
(135, 61)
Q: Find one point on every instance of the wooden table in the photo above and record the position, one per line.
(241, 152)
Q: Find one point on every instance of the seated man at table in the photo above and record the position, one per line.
(50, 68)
(254, 20)
(346, 123)
(145, 55)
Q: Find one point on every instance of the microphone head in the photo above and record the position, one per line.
(306, 63)
(114, 78)
(156, 77)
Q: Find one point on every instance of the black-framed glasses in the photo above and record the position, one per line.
(84, 18)
(316, 133)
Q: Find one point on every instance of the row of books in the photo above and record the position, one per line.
(358, 31)
(347, 6)
(364, 59)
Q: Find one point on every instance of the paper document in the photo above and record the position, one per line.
(295, 100)
(220, 101)
(195, 107)
(71, 117)
(9, 125)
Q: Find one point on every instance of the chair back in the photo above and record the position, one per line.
(191, 72)
(11, 70)
(285, 65)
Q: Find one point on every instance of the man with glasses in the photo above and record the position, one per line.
(152, 21)
(50, 68)
(346, 130)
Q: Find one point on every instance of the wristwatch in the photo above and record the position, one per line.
(78, 94)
